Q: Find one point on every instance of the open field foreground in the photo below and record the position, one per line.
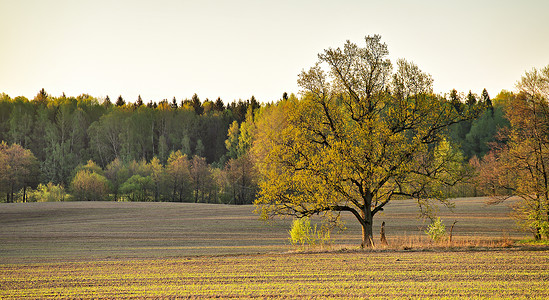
(172, 250)
(512, 274)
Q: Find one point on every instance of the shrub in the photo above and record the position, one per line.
(48, 193)
(137, 188)
(543, 227)
(89, 186)
(436, 230)
(302, 233)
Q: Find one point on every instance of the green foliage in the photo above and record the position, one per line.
(246, 133)
(200, 149)
(483, 132)
(48, 193)
(239, 181)
(137, 188)
(89, 186)
(18, 170)
(350, 145)
(303, 233)
(64, 132)
(535, 242)
(90, 166)
(178, 176)
(186, 145)
(476, 136)
(436, 230)
(543, 226)
(21, 122)
(231, 143)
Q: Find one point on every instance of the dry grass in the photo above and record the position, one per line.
(423, 243)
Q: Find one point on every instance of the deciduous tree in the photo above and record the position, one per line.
(117, 173)
(200, 177)
(19, 170)
(351, 146)
(89, 185)
(231, 143)
(520, 167)
(178, 174)
(241, 179)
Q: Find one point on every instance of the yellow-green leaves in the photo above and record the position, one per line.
(350, 144)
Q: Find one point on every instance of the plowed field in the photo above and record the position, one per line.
(512, 274)
(81, 250)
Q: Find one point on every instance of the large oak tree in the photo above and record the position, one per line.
(359, 137)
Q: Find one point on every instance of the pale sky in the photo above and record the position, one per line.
(236, 49)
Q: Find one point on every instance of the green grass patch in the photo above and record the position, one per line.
(534, 242)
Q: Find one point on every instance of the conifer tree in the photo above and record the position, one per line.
(120, 101)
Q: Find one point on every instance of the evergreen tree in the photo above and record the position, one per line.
(107, 102)
(239, 110)
(219, 105)
(174, 103)
(42, 97)
(487, 101)
(471, 99)
(455, 99)
(120, 101)
(196, 104)
(139, 101)
(199, 150)
(254, 104)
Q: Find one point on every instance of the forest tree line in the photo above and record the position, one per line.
(85, 148)
(60, 137)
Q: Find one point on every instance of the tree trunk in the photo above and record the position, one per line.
(367, 221)
(11, 195)
(382, 235)
(537, 234)
(367, 224)
(367, 236)
(452, 230)
(174, 191)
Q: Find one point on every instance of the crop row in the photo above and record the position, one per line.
(420, 274)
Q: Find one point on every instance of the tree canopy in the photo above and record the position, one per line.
(64, 133)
